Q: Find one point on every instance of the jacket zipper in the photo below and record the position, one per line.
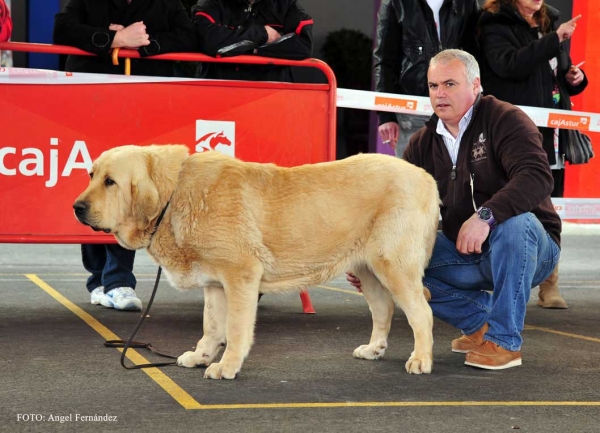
(453, 177)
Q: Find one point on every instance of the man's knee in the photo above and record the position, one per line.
(518, 230)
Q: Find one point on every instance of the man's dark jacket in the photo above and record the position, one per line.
(233, 27)
(84, 24)
(502, 149)
(407, 39)
(515, 65)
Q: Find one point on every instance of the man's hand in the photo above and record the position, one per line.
(132, 36)
(389, 132)
(115, 27)
(566, 30)
(273, 34)
(354, 281)
(472, 235)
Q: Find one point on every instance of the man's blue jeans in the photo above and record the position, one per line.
(518, 255)
(111, 266)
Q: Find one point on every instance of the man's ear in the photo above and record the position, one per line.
(477, 86)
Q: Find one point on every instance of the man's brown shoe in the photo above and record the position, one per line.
(490, 356)
(466, 343)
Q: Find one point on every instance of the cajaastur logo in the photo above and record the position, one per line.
(45, 163)
(215, 135)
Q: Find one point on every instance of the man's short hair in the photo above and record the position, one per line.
(471, 65)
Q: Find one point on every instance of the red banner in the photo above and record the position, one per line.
(50, 133)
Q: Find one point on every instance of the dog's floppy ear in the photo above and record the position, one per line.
(145, 200)
(163, 164)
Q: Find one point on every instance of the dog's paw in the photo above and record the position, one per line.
(219, 371)
(370, 351)
(419, 364)
(190, 360)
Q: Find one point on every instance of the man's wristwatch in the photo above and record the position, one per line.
(485, 214)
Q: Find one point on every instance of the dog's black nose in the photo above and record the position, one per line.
(80, 207)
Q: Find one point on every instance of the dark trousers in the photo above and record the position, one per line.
(111, 266)
(559, 183)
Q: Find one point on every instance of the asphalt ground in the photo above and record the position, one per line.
(300, 375)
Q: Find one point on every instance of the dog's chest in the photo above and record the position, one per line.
(196, 279)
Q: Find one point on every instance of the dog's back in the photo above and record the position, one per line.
(307, 224)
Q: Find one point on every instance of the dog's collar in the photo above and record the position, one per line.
(158, 221)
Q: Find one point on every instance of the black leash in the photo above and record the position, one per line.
(137, 344)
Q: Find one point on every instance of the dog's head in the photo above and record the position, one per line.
(128, 188)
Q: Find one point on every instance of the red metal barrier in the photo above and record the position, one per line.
(54, 124)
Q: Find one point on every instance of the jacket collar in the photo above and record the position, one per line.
(431, 124)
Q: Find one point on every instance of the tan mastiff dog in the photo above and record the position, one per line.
(237, 228)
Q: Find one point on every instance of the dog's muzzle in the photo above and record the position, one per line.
(81, 209)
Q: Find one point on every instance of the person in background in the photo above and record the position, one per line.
(274, 28)
(5, 22)
(151, 27)
(500, 234)
(409, 33)
(525, 61)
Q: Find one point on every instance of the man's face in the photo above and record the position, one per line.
(450, 94)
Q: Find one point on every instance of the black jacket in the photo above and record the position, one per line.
(234, 27)
(84, 24)
(515, 65)
(501, 148)
(407, 39)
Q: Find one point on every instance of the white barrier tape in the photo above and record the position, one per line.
(361, 99)
(577, 208)
(346, 98)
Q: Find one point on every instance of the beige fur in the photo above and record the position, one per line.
(237, 228)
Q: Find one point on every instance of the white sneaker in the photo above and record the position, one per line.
(97, 295)
(122, 298)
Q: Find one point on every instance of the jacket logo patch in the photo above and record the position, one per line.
(479, 152)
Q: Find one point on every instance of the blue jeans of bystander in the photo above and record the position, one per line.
(111, 266)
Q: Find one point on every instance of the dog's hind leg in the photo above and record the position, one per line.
(404, 281)
(241, 291)
(215, 314)
(382, 310)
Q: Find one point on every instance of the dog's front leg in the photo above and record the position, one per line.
(381, 305)
(215, 314)
(242, 299)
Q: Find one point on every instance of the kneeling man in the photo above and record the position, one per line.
(501, 234)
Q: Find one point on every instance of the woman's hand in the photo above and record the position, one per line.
(575, 76)
(566, 30)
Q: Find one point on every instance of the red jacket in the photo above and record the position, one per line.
(5, 22)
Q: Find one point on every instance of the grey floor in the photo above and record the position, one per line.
(300, 375)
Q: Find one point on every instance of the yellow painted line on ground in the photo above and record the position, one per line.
(188, 402)
(527, 327)
(165, 382)
(564, 334)
(397, 404)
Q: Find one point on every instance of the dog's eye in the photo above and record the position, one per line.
(108, 181)
(91, 175)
